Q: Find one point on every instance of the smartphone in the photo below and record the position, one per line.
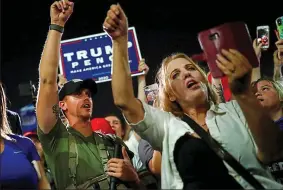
(262, 35)
(279, 26)
(234, 35)
(151, 92)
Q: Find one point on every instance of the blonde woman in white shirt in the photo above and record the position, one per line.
(180, 90)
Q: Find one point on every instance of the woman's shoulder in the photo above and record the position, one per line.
(22, 140)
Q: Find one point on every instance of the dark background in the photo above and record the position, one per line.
(162, 27)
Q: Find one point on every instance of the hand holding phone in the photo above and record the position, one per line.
(262, 35)
(234, 35)
(279, 52)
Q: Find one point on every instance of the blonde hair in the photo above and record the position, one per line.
(4, 124)
(164, 87)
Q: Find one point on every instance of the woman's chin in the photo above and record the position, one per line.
(196, 95)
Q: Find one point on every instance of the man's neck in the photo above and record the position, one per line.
(82, 126)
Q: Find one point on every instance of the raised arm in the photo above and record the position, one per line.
(256, 71)
(217, 86)
(47, 109)
(141, 80)
(116, 25)
(266, 133)
(278, 60)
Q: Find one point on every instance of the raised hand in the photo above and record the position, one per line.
(62, 80)
(116, 22)
(257, 48)
(237, 68)
(143, 66)
(60, 11)
(279, 45)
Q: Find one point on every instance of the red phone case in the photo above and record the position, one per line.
(233, 35)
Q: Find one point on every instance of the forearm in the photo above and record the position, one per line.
(141, 85)
(217, 86)
(47, 109)
(277, 72)
(265, 132)
(122, 86)
(156, 163)
(43, 182)
(48, 68)
(256, 74)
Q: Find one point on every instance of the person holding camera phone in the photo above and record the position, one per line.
(270, 95)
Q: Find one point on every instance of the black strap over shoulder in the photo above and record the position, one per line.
(222, 153)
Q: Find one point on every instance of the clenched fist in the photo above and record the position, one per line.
(116, 22)
(60, 11)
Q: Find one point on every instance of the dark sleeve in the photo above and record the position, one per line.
(15, 122)
(199, 167)
(145, 152)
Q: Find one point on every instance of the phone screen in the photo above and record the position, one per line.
(280, 26)
(263, 36)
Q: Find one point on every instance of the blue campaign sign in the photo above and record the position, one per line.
(91, 57)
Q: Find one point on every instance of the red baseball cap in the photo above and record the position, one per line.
(101, 125)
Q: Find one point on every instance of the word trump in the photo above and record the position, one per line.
(88, 57)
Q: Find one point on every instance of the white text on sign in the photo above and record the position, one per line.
(85, 56)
